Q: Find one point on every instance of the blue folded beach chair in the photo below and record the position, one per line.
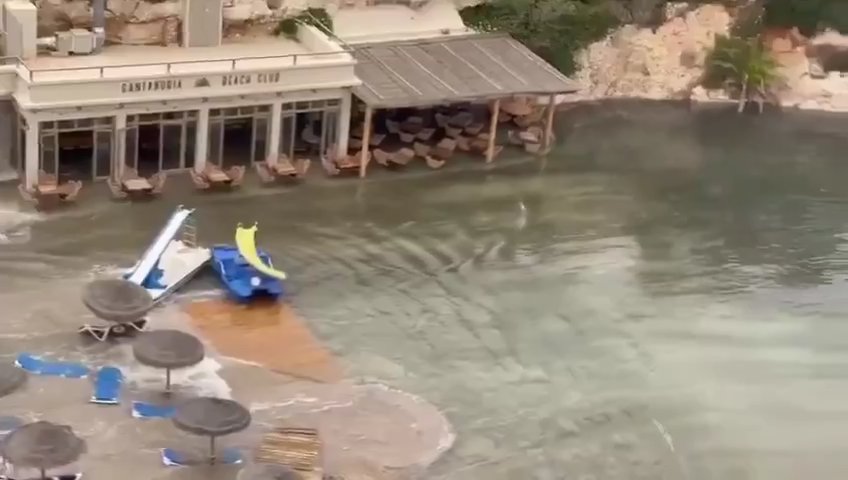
(107, 386)
(38, 366)
(149, 410)
(173, 458)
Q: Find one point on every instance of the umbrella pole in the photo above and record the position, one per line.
(43, 473)
(167, 380)
(212, 450)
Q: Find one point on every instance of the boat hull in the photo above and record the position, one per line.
(243, 282)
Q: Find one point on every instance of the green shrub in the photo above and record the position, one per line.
(317, 17)
(743, 65)
(287, 27)
(555, 29)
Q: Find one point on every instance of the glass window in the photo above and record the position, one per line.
(287, 135)
(263, 108)
(300, 106)
(48, 125)
(150, 118)
(287, 107)
(190, 140)
(317, 104)
(103, 154)
(333, 103)
(215, 142)
(260, 139)
(172, 136)
(85, 123)
(246, 111)
(231, 112)
(48, 153)
(20, 149)
(215, 112)
(104, 121)
(172, 115)
(131, 156)
(329, 130)
(67, 125)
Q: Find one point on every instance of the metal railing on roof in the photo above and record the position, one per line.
(168, 68)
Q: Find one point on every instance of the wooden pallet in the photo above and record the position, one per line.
(297, 448)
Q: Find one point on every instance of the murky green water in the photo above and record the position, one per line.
(663, 297)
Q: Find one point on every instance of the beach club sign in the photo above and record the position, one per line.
(170, 85)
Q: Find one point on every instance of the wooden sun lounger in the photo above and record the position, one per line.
(213, 177)
(296, 448)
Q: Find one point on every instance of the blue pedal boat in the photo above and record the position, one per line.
(242, 280)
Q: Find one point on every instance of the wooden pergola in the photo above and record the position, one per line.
(453, 69)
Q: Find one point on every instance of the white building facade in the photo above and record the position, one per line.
(154, 109)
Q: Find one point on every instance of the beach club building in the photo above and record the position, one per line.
(74, 108)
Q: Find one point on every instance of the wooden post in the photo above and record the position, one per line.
(493, 130)
(549, 124)
(364, 158)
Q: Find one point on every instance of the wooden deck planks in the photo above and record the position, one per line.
(270, 334)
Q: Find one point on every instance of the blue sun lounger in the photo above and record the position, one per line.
(226, 456)
(149, 410)
(37, 366)
(107, 386)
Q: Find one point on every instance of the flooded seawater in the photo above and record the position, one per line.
(663, 297)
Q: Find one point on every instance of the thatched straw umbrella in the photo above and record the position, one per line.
(11, 378)
(42, 445)
(168, 349)
(211, 417)
(117, 300)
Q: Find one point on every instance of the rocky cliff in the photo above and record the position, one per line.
(157, 22)
(666, 62)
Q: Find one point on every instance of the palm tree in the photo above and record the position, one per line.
(746, 66)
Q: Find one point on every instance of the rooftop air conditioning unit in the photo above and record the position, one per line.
(76, 41)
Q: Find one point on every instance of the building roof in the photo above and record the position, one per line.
(455, 68)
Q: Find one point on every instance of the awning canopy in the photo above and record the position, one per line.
(452, 69)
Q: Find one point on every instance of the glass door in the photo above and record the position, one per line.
(102, 153)
(287, 127)
(49, 152)
(131, 150)
(172, 137)
(260, 139)
(216, 141)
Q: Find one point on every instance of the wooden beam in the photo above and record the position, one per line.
(549, 124)
(364, 158)
(493, 130)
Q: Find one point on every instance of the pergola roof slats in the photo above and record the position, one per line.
(456, 68)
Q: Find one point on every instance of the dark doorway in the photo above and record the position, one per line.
(149, 149)
(238, 140)
(76, 155)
